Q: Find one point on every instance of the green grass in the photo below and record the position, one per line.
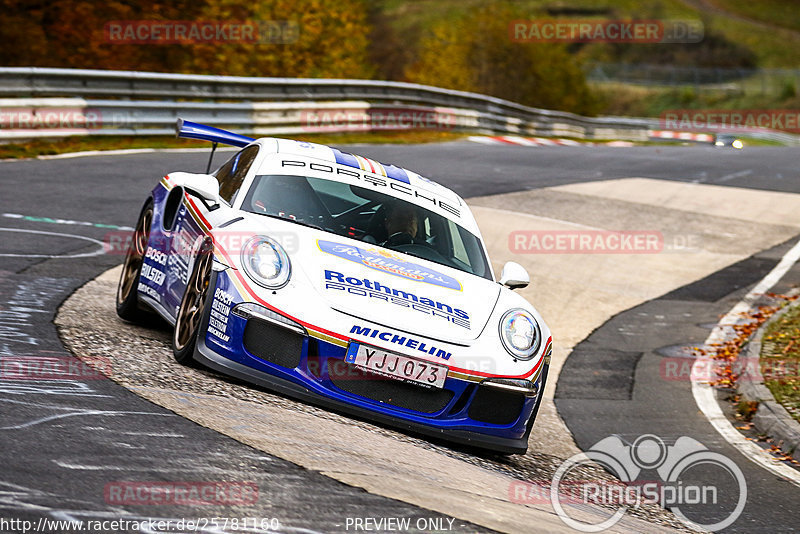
(773, 47)
(781, 13)
(49, 147)
(780, 360)
(649, 101)
(46, 147)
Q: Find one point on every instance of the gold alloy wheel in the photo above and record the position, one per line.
(194, 297)
(135, 257)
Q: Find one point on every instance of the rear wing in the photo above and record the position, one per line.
(194, 130)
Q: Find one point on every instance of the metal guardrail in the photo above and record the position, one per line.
(61, 102)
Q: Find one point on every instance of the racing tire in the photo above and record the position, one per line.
(190, 312)
(129, 307)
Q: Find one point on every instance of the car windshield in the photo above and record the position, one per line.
(372, 217)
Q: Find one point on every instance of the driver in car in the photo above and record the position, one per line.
(401, 225)
(401, 218)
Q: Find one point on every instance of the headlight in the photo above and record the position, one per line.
(520, 334)
(266, 263)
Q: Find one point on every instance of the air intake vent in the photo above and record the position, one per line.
(273, 343)
(375, 387)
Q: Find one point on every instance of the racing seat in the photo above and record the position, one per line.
(376, 229)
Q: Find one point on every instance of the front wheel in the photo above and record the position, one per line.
(128, 306)
(190, 312)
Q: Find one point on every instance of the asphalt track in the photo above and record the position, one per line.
(62, 439)
(629, 378)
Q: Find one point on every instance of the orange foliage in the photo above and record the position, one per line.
(332, 37)
(331, 40)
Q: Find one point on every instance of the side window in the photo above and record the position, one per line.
(231, 175)
(459, 249)
(171, 207)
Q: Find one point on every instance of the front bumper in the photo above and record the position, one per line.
(497, 416)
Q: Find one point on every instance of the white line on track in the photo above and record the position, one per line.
(539, 217)
(128, 151)
(704, 394)
(50, 220)
(733, 175)
(99, 252)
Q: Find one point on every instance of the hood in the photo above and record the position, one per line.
(399, 291)
(395, 290)
(365, 281)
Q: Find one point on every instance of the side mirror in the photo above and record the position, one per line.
(514, 276)
(203, 185)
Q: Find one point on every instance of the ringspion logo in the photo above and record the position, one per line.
(704, 489)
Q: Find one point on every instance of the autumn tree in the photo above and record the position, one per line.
(331, 40)
(327, 38)
(476, 53)
(70, 33)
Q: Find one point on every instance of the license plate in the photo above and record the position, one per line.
(396, 366)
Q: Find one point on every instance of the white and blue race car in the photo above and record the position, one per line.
(338, 280)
